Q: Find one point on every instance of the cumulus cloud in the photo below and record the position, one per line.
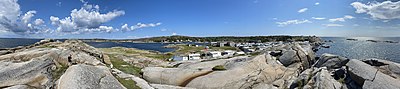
(342, 19)
(11, 19)
(386, 10)
(302, 10)
(86, 19)
(282, 24)
(39, 22)
(317, 3)
(333, 25)
(27, 17)
(125, 27)
(318, 18)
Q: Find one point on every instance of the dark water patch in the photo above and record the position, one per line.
(15, 42)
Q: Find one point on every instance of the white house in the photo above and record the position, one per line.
(180, 58)
(228, 53)
(194, 56)
(215, 54)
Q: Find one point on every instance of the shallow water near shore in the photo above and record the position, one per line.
(362, 49)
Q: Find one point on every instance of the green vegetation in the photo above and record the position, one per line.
(128, 83)
(218, 68)
(341, 80)
(59, 71)
(160, 56)
(124, 67)
(184, 49)
(255, 53)
(300, 84)
(137, 52)
(224, 48)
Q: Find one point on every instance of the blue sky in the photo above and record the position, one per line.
(125, 19)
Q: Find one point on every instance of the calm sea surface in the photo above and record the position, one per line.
(362, 48)
(15, 42)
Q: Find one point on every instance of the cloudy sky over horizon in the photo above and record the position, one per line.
(147, 18)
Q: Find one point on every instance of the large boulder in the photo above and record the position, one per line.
(297, 55)
(331, 61)
(387, 67)
(34, 72)
(171, 76)
(360, 71)
(20, 87)
(83, 76)
(255, 73)
(323, 80)
(27, 54)
(369, 77)
(382, 81)
(288, 57)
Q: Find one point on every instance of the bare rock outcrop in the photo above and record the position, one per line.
(171, 76)
(83, 76)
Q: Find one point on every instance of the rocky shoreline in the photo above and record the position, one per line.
(74, 65)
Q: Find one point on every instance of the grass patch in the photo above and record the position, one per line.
(218, 68)
(59, 72)
(128, 83)
(224, 48)
(160, 56)
(128, 68)
(130, 51)
(341, 80)
(184, 49)
(255, 53)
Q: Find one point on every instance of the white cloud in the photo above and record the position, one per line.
(282, 24)
(333, 25)
(39, 22)
(318, 18)
(125, 27)
(342, 19)
(385, 10)
(12, 21)
(317, 3)
(302, 10)
(27, 17)
(86, 19)
(174, 34)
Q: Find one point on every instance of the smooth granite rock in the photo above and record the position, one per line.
(331, 61)
(83, 76)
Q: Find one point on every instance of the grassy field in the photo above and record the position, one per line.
(124, 66)
(137, 52)
(128, 83)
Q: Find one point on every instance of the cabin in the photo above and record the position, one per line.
(214, 54)
(194, 56)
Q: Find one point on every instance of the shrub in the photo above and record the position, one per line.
(218, 68)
